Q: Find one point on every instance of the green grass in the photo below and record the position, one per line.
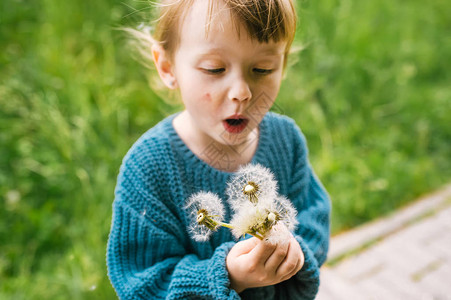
(374, 102)
(369, 91)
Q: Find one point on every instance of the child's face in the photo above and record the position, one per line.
(225, 76)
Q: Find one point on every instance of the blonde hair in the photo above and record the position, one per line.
(264, 21)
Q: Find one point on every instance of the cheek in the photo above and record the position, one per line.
(210, 104)
(210, 100)
(271, 89)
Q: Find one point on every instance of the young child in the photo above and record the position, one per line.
(226, 59)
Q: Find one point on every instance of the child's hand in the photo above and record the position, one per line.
(255, 263)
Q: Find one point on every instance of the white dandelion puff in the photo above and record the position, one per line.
(254, 220)
(272, 223)
(286, 211)
(251, 183)
(206, 212)
(247, 220)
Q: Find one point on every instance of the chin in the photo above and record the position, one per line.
(234, 139)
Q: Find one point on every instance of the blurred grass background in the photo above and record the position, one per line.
(371, 91)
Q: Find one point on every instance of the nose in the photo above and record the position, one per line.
(240, 90)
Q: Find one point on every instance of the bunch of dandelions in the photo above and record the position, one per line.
(257, 207)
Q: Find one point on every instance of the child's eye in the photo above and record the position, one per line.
(214, 71)
(262, 71)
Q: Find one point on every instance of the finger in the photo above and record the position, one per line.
(244, 247)
(291, 261)
(296, 270)
(262, 251)
(277, 257)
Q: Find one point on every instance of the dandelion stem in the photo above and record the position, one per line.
(227, 225)
(256, 234)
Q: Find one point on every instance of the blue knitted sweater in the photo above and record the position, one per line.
(150, 254)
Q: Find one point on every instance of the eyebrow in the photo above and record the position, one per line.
(271, 52)
(219, 51)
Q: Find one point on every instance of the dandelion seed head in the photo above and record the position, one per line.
(250, 220)
(287, 212)
(206, 201)
(205, 210)
(253, 183)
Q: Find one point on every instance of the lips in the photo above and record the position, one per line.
(235, 124)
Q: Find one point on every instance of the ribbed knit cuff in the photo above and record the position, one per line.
(308, 276)
(218, 277)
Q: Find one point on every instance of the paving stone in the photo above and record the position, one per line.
(411, 261)
(353, 239)
(359, 266)
(338, 288)
(441, 249)
(436, 280)
(398, 287)
(376, 290)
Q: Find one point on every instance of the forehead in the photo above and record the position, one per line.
(214, 26)
(204, 17)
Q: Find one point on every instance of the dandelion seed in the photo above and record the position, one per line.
(206, 212)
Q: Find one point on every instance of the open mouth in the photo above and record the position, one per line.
(235, 122)
(235, 125)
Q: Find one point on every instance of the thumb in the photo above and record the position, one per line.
(244, 247)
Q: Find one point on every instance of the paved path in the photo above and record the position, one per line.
(404, 256)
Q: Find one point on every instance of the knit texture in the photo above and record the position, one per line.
(150, 254)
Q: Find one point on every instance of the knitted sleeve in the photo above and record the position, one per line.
(147, 255)
(312, 233)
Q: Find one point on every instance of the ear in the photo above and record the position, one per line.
(164, 66)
